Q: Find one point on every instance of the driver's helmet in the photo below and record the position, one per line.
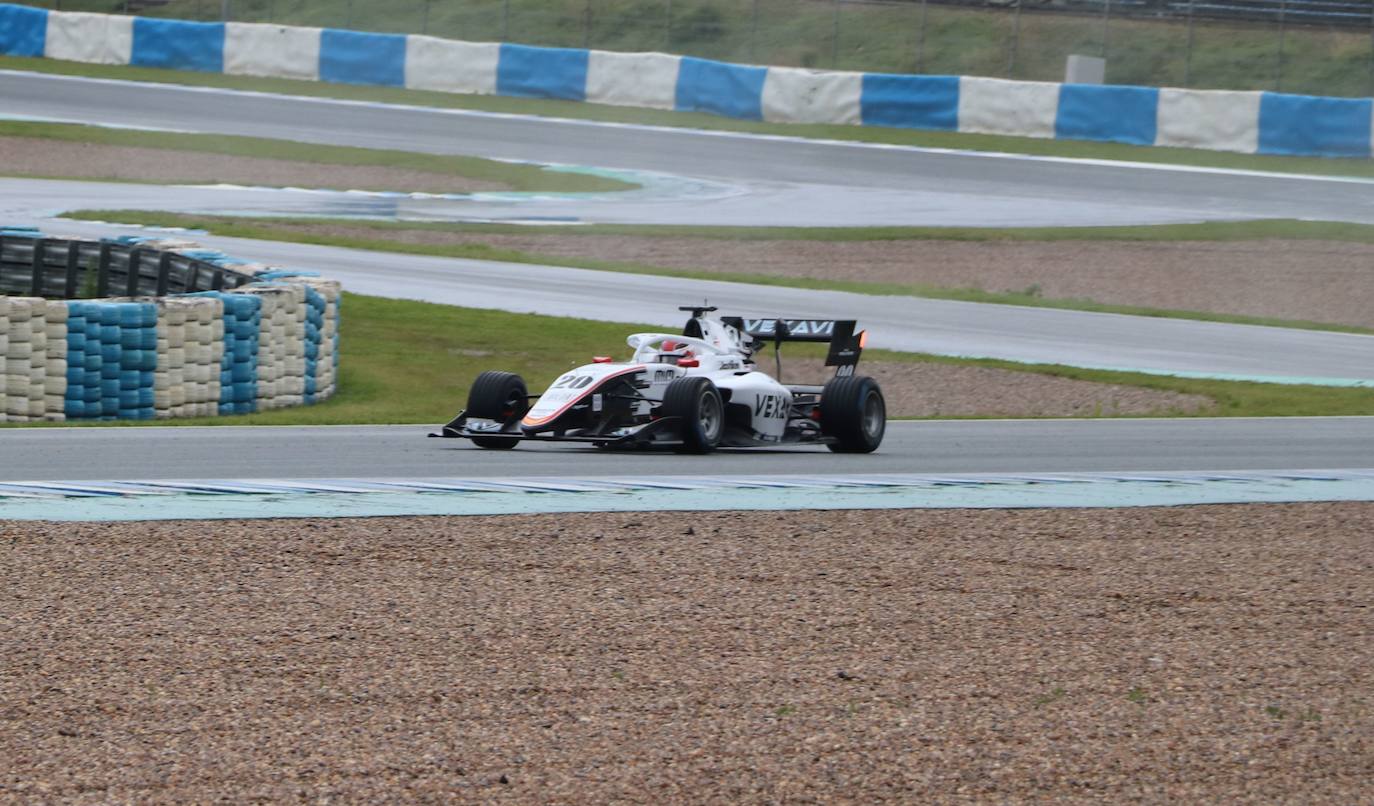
(670, 350)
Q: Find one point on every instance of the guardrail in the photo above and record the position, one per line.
(198, 334)
(1248, 122)
(72, 268)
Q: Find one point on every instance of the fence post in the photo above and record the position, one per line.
(668, 28)
(921, 42)
(587, 26)
(135, 266)
(1188, 57)
(224, 10)
(36, 281)
(1371, 50)
(754, 33)
(164, 273)
(424, 22)
(1106, 21)
(1278, 78)
(102, 278)
(1015, 41)
(73, 271)
(505, 20)
(348, 22)
(835, 38)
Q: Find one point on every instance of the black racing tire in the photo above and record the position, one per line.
(698, 402)
(854, 413)
(500, 396)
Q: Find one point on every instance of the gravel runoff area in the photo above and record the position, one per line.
(1196, 655)
(947, 390)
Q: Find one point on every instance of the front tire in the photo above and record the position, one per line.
(500, 396)
(698, 402)
(854, 413)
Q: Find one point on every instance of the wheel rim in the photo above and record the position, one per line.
(873, 416)
(709, 416)
(511, 407)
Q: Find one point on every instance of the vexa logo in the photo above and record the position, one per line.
(796, 327)
(771, 407)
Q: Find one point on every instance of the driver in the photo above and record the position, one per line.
(671, 351)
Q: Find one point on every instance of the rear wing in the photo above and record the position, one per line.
(845, 344)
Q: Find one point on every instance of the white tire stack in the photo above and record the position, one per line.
(204, 353)
(54, 369)
(169, 379)
(19, 359)
(273, 351)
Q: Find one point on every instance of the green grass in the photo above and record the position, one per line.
(1286, 229)
(1027, 43)
(298, 231)
(584, 111)
(516, 176)
(412, 362)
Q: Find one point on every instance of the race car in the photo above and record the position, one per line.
(693, 391)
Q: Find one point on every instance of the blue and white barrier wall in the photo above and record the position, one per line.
(1247, 122)
(266, 345)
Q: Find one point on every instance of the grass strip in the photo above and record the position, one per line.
(520, 177)
(412, 362)
(299, 230)
(596, 112)
(1280, 229)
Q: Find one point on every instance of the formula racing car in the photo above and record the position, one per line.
(692, 391)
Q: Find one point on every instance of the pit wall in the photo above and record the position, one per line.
(265, 345)
(1245, 122)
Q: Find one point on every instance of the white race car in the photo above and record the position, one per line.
(694, 392)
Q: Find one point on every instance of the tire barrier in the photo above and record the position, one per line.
(1246, 122)
(198, 335)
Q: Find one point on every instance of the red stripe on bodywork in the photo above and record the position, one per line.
(579, 398)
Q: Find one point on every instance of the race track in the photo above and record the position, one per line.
(969, 446)
(846, 174)
(716, 178)
(753, 180)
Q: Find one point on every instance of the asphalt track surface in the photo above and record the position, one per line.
(948, 446)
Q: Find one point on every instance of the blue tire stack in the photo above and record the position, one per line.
(83, 364)
(314, 332)
(111, 356)
(127, 381)
(238, 372)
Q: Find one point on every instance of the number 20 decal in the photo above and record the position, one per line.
(573, 382)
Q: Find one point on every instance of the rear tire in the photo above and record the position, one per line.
(698, 402)
(500, 396)
(854, 413)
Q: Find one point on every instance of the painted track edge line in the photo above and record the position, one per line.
(264, 499)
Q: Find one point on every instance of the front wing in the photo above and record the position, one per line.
(662, 432)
